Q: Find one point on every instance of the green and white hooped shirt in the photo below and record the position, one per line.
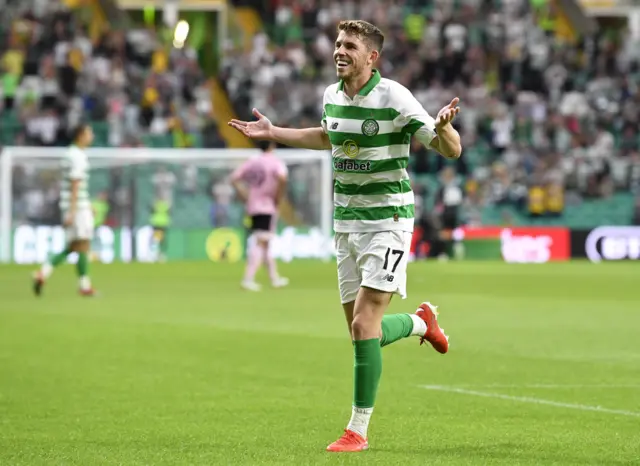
(74, 166)
(370, 137)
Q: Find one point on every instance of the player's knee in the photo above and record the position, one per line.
(80, 246)
(364, 327)
(359, 327)
(261, 238)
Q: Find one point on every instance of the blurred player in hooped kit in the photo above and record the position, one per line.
(77, 212)
(261, 182)
(367, 124)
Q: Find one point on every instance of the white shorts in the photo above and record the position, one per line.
(375, 260)
(82, 226)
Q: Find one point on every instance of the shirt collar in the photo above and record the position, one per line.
(368, 87)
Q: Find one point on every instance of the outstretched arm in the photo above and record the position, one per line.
(436, 134)
(308, 138)
(447, 142)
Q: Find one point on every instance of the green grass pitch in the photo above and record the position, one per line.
(175, 365)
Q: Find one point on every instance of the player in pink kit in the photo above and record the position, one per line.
(261, 183)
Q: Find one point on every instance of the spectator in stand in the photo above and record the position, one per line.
(536, 197)
(449, 201)
(499, 185)
(554, 199)
(10, 82)
(471, 210)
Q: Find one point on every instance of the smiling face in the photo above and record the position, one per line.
(352, 56)
(356, 49)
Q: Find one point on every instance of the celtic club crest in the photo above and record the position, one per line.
(370, 127)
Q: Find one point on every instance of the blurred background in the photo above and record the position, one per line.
(549, 92)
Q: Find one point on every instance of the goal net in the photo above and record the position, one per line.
(207, 221)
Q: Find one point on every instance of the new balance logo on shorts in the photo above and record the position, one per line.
(388, 277)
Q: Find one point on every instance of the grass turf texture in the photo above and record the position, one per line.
(175, 365)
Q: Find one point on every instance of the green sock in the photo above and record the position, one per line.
(367, 372)
(59, 258)
(395, 327)
(83, 264)
(449, 249)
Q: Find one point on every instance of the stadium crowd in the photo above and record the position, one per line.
(54, 75)
(544, 122)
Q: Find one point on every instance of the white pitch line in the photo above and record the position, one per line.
(526, 399)
(552, 386)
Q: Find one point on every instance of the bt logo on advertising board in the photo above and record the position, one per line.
(613, 243)
(525, 248)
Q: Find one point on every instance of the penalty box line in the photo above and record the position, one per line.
(530, 400)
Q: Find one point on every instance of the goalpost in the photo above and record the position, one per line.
(131, 179)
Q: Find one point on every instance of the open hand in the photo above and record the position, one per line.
(261, 129)
(447, 113)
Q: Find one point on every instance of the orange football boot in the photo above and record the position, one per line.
(38, 283)
(435, 335)
(349, 442)
(89, 293)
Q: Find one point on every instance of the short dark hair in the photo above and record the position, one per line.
(266, 146)
(365, 31)
(77, 131)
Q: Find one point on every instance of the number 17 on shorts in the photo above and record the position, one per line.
(376, 260)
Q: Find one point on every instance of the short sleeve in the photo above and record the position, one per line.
(413, 117)
(78, 162)
(239, 172)
(282, 170)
